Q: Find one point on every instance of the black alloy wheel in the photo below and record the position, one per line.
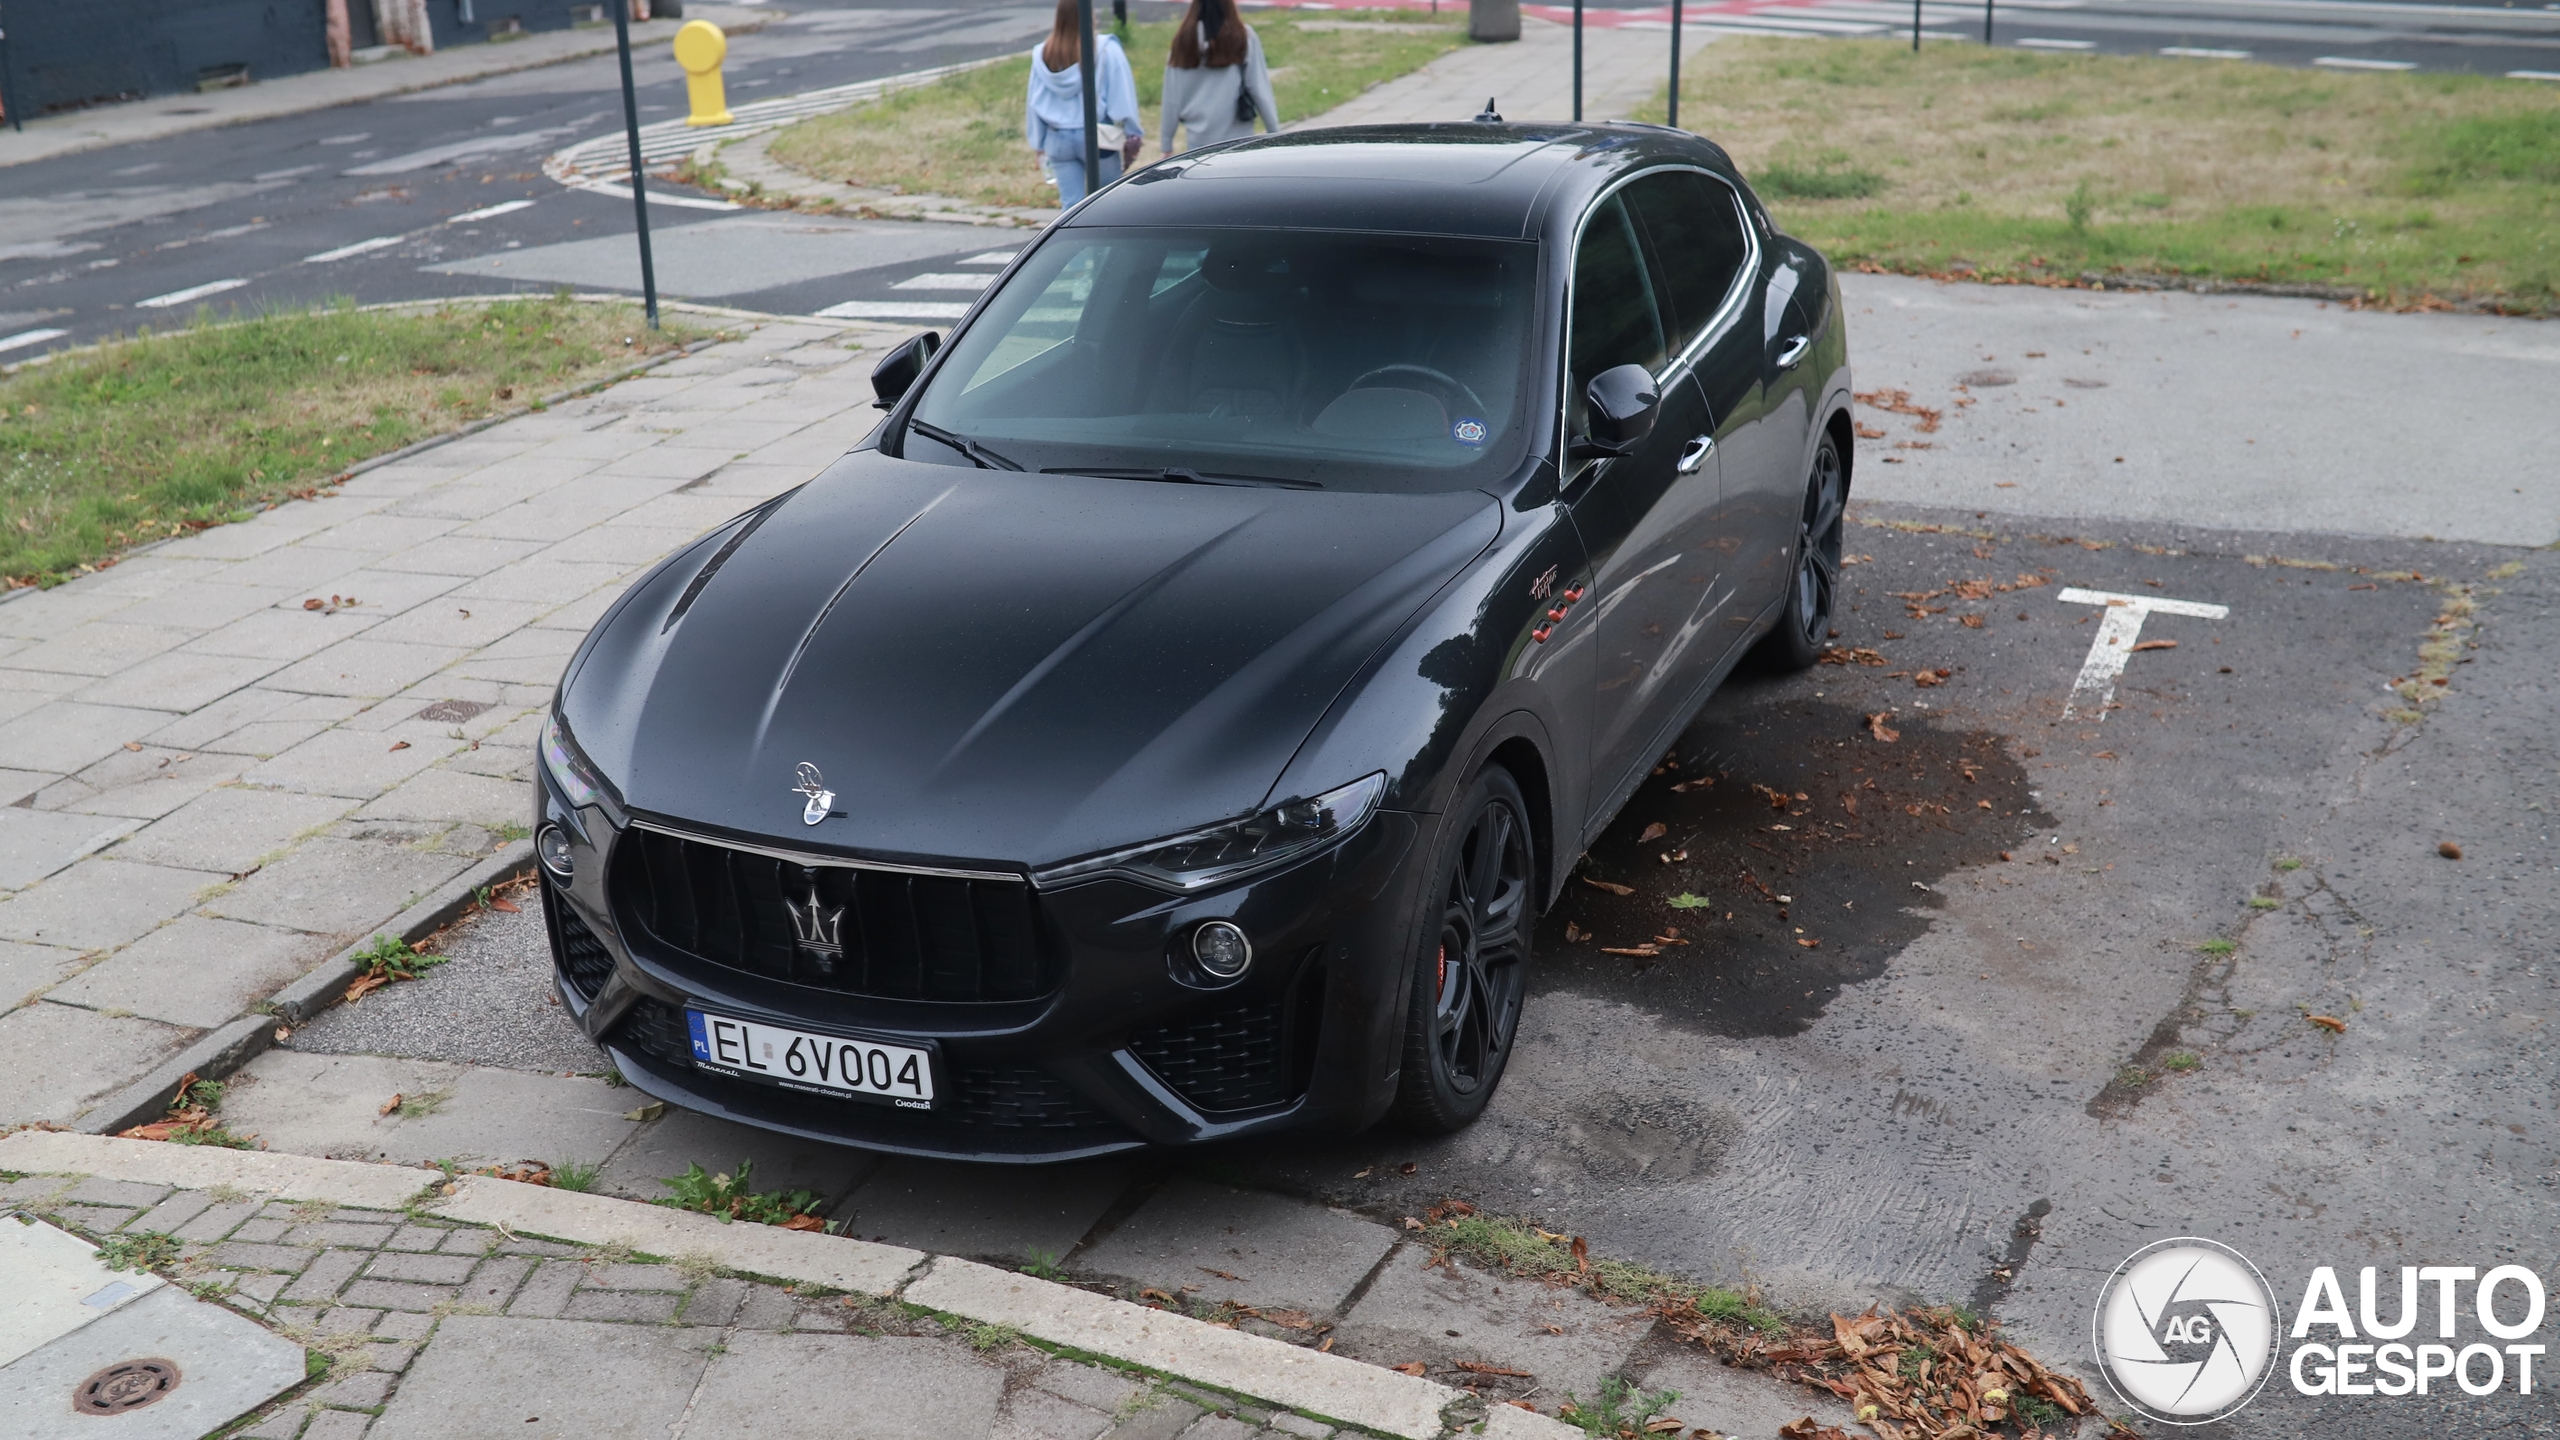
(1813, 591)
(1473, 969)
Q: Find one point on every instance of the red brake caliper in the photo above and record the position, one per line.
(1441, 982)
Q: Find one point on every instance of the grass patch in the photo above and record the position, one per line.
(161, 434)
(2180, 1061)
(2216, 947)
(143, 1250)
(2409, 188)
(962, 136)
(1622, 1409)
(1516, 1247)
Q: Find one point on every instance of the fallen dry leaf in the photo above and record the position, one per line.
(399, 745)
(1685, 786)
(1327, 1347)
(1613, 889)
(1479, 1367)
(1809, 943)
(501, 902)
(1289, 1319)
(804, 1222)
(1155, 1294)
(1653, 832)
(1226, 1275)
(1365, 1172)
(1581, 1255)
(1575, 934)
(1407, 1168)
(314, 603)
(2448, 850)
(364, 985)
(1410, 1367)
(389, 1105)
(1880, 730)
(1642, 952)
(2330, 1023)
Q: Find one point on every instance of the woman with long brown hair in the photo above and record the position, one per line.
(1053, 113)
(1216, 83)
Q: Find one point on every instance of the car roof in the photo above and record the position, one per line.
(1498, 181)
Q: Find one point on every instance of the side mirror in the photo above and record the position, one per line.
(898, 369)
(1623, 401)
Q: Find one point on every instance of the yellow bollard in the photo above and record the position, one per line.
(700, 47)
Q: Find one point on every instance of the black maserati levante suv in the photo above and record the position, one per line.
(1169, 724)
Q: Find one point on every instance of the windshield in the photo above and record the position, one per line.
(1351, 361)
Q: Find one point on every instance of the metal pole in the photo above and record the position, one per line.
(1577, 61)
(1673, 119)
(1986, 22)
(1915, 27)
(8, 90)
(1084, 77)
(631, 128)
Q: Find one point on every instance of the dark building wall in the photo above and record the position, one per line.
(63, 54)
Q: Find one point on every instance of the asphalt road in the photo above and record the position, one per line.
(369, 201)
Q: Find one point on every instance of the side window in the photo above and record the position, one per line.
(1695, 224)
(1616, 319)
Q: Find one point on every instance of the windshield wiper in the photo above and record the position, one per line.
(979, 455)
(1182, 475)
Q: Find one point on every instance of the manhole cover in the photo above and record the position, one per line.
(126, 1385)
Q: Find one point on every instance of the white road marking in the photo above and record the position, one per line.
(2350, 62)
(286, 174)
(25, 338)
(361, 247)
(2533, 74)
(2190, 52)
(192, 292)
(492, 212)
(2038, 42)
(992, 257)
(623, 192)
(945, 280)
(2118, 631)
(894, 310)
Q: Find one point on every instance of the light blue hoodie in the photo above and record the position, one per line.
(1056, 100)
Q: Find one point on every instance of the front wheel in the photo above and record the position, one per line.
(1473, 970)
(1813, 587)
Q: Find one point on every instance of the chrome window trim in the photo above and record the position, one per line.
(840, 862)
(1727, 314)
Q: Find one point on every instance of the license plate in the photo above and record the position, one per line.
(803, 1060)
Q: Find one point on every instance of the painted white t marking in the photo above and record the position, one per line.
(2118, 630)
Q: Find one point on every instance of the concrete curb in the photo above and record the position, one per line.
(1270, 1371)
(317, 991)
(1327, 1386)
(215, 1054)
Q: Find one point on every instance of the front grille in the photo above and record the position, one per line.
(584, 962)
(1233, 1060)
(1012, 1098)
(833, 927)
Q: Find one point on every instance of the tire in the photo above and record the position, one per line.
(1472, 972)
(1804, 625)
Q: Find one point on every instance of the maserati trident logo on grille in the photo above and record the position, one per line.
(813, 785)
(817, 927)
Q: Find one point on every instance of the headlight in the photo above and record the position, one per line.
(568, 769)
(1224, 852)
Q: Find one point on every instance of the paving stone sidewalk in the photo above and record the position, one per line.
(209, 785)
(436, 1331)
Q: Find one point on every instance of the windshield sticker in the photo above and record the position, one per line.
(1470, 431)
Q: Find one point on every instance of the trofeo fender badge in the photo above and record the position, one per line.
(1540, 589)
(813, 785)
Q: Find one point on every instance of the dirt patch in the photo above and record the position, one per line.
(1781, 852)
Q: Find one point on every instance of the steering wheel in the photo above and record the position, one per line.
(1449, 387)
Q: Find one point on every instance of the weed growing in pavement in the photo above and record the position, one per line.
(387, 959)
(2217, 946)
(141, 1250)
(419, 1106)
(697, 1266)
(1042, 1265)
(2180, 1061)
(574, 1175)
(2133, 1077)
(991, 1337)
(190, 1119)
(2265, 902)
(513, 831)
(1622, 1410)
(2288, 863)
(729, 1197)
(1519, 1248)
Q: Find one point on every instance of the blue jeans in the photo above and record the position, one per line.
(1066, 158)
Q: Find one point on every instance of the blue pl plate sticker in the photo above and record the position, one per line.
(701, 1035)
(1470, 431)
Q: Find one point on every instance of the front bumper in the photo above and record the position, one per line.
(1128, 1048)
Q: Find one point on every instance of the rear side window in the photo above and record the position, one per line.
(1695, 223)
(1616, 318)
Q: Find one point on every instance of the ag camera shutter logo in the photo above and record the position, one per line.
(2186, 1331)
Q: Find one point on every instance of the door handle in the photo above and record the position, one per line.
(1794, 351)
(1695, 453)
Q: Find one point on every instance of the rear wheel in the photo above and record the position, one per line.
(1474, 967)
(1812, 591)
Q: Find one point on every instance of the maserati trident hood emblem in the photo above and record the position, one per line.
(813, 785)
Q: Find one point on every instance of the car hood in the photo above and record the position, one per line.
(996, 667)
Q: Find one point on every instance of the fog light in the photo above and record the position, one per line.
(553, 845)
(1221, 949)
